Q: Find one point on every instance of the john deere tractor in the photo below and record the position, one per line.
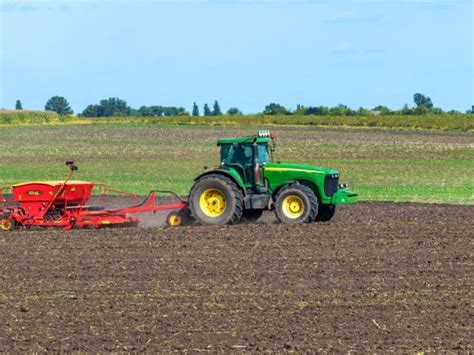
(247, 182)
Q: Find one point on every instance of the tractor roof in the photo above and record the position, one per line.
(243, 140)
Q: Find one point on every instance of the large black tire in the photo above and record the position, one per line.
(302, 195)
(325, 213)
(229, 193)
(251, 216)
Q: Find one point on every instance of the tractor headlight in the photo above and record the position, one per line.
(263, 133)
(343, 186)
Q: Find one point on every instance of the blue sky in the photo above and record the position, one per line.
(242, 53)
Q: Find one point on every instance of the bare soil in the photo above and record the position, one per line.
(378, 277)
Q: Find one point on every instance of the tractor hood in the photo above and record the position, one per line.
(309, 169)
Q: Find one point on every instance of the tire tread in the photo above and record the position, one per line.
(313, 200)
(238, 196)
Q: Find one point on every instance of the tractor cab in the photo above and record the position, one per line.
(247, 155)
(241, 153)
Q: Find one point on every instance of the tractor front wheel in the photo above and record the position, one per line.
(296, 204)
(215, 199)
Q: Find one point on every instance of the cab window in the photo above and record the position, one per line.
(242, 154)
(263, 155)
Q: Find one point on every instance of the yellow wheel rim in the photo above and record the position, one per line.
(6, 225)
(174, 220)
(212, 202)
(293, 207)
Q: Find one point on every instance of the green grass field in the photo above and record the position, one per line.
(382, 165)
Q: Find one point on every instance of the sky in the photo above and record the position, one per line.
(243, 53)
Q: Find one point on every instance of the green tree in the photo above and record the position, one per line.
(276, 109)
(91, 111)
(207, 110)
(384, 110)
(149, 111)
(407, 110)
(195, 109)
(362, 111)
(319, 110)
(113, 106)
(234, 111)
(341, 110)
(173, 111)
(59, 105)
(216, 109)
(300, 110)
(158, 111)
(108, 108)
(422, 101)
(18, 105)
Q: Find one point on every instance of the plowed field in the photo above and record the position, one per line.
(379, 277)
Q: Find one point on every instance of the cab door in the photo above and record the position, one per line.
(239, 157)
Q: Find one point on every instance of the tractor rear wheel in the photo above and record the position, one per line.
(296, 204)
(215, 199)
(325, 213)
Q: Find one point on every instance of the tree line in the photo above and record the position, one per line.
(117, 107)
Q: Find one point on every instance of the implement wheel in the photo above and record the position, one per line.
(296, 204)
(174, 219)
(216, 199)
(179, 218)
(7, 225)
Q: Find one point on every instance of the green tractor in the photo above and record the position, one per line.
(247, 182)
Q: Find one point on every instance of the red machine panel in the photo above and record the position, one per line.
(33, 196)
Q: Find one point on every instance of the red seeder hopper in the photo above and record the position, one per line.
(65, 204)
